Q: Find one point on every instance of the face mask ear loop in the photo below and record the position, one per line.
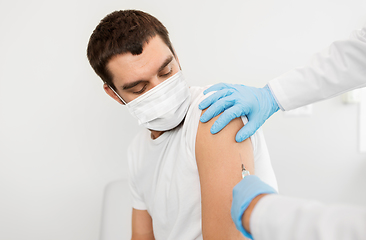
(117, 95)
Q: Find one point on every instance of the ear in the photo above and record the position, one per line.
(111, 93)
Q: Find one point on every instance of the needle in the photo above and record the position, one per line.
(244, 172)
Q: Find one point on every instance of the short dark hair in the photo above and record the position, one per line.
(122, 32)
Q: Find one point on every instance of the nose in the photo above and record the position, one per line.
(155, 81)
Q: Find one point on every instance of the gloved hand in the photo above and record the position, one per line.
(258, 104)
(243, 193)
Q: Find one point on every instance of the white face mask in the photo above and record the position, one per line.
(164, 106)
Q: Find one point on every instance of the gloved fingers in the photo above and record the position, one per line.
(243, 194)
(244, 187)
(216, 87)
(247, 189)
(217, 107)
(214, 97)
(226, 117)
(248, 130)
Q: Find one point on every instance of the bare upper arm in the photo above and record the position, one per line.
(219, 167)
(142, 228)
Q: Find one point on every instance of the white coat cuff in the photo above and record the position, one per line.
(275, 97)
(258, 215)
(278, 92)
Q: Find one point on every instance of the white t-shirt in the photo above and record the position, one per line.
(164, 177)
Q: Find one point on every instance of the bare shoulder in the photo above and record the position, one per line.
(219, 158)
(222, 146)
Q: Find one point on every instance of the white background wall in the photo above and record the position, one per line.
(62, 139)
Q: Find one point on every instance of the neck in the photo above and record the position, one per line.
(156, 134)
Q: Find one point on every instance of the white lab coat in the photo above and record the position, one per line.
(338, 69)
(278, 217)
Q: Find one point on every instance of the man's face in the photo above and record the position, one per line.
(133, 75)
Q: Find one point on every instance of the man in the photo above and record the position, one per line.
(179, 186)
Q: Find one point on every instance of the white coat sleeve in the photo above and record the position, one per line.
(279, 217)
(336, 70)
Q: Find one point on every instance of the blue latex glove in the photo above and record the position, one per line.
(258, 104)
(244, 192)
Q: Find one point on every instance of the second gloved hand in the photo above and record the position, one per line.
(257, 104)
(243, 194)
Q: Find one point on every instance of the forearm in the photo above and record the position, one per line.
(147, 237)
(279, 217)
(142, 228)
(337, 69)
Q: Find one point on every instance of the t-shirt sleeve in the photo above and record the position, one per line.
(136, 197)
(137, 202)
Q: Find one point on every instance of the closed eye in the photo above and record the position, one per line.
(167, 74)
(142, 90)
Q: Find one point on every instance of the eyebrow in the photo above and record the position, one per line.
(135, 83)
